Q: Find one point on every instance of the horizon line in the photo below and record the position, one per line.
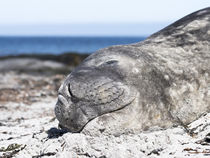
(88, 36)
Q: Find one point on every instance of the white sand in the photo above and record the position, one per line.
(32, 126)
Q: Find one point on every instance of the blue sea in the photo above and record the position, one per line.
(59, 45)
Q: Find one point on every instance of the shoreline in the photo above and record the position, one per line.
(67, 58)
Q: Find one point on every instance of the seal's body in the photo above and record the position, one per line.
(158, 82)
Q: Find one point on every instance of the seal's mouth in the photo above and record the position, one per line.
(60, 109)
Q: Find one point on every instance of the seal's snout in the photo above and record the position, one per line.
(69, 115)
(84, 97)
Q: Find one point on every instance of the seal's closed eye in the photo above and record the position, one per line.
(112, 62)
(109, 63)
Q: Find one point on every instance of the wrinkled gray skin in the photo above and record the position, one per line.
(161, 81)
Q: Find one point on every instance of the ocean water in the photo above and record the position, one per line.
(58, 45)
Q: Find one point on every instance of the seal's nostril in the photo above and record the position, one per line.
(73, 98)
(69, 89)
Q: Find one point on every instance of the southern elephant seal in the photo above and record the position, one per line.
(161, 81)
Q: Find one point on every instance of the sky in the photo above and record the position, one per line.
(92, 17)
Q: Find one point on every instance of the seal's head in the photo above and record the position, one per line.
(101, 84)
